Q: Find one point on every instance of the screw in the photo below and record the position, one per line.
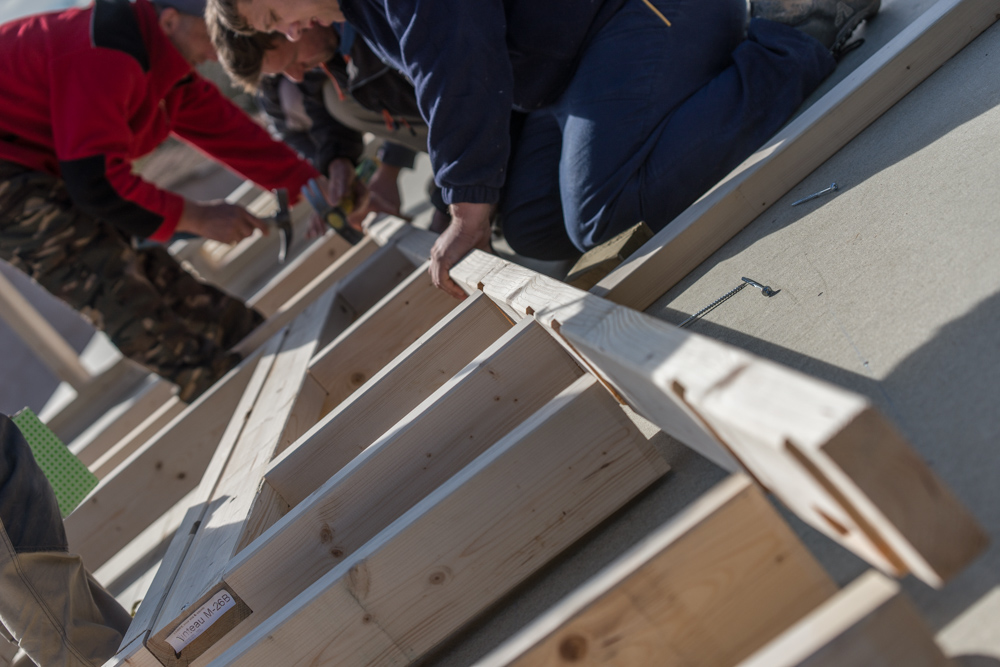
(764, 289)
(833, 188)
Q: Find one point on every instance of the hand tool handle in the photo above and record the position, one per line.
(337, 219)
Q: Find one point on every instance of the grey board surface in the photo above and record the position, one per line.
(890, 287)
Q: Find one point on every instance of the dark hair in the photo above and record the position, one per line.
(228, 14)
(242, 56)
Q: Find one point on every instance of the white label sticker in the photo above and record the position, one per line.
(201, 620)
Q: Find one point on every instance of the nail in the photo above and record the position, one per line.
(833, 188)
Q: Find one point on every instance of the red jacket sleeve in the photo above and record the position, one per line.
(94, 97)
(207, 119)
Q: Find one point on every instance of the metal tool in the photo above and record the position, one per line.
(335, 216)
(833, 188)
(764, 289)
(283, 219)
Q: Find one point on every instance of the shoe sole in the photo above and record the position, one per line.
(818, 27)
(852, 24)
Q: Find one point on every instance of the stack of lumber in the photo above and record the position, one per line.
(388, 463)
(393, 462)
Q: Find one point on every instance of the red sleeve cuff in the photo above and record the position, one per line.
(171, 216)
(298, 180)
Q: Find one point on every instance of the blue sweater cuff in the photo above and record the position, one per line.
(478, 194)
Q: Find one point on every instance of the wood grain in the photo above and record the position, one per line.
(705, 590)
(390, 395)
(508, 512)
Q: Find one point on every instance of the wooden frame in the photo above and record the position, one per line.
(365, 486)
(157, 475)
(299, 272)
(173, 461)
(119, 453)
(821, 449)
(432, 570)
(120, 421)
(390, 395)
(824, 451)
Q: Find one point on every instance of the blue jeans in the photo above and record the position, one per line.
(655, 115)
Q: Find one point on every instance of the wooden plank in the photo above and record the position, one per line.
(513, 378)
(393, 392)
(486, 529)
(363, 288)
(802, 146)
(132, 441)
(307, 411)
(869, 623)
(107, 389)
(413, 242)
(706, 589)
(134, 654)
(221, 531)
(824, 451)
(104, 434)
(605, 258)
(160, 473)
(385, 269)
(133, 650)
(299, 273)
(129, 574)
(305, 296)
(245, 192)
(49, 346)
(8, 650)
(387, 329)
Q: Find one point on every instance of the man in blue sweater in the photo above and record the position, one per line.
(625, 110)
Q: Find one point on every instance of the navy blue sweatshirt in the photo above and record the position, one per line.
(472, 62)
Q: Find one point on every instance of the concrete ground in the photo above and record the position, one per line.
(890, 288)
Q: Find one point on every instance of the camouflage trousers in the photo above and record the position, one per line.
(153, 310)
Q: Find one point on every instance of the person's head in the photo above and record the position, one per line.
(242, 56)
(183, 22)
(293, 59)
(246, 58)
(291, 17)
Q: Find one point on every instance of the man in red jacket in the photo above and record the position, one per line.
(83, 93)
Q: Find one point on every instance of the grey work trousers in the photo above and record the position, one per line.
(58, 614)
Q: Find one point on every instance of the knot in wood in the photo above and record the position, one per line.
(573, 648)
(439, 577)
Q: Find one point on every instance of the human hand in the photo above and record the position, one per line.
(383, 195)
(317, 226)
(340, 183)
(469, 229)
(219, 221)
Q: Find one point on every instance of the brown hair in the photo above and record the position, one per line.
(227, 13)
(241, 55)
